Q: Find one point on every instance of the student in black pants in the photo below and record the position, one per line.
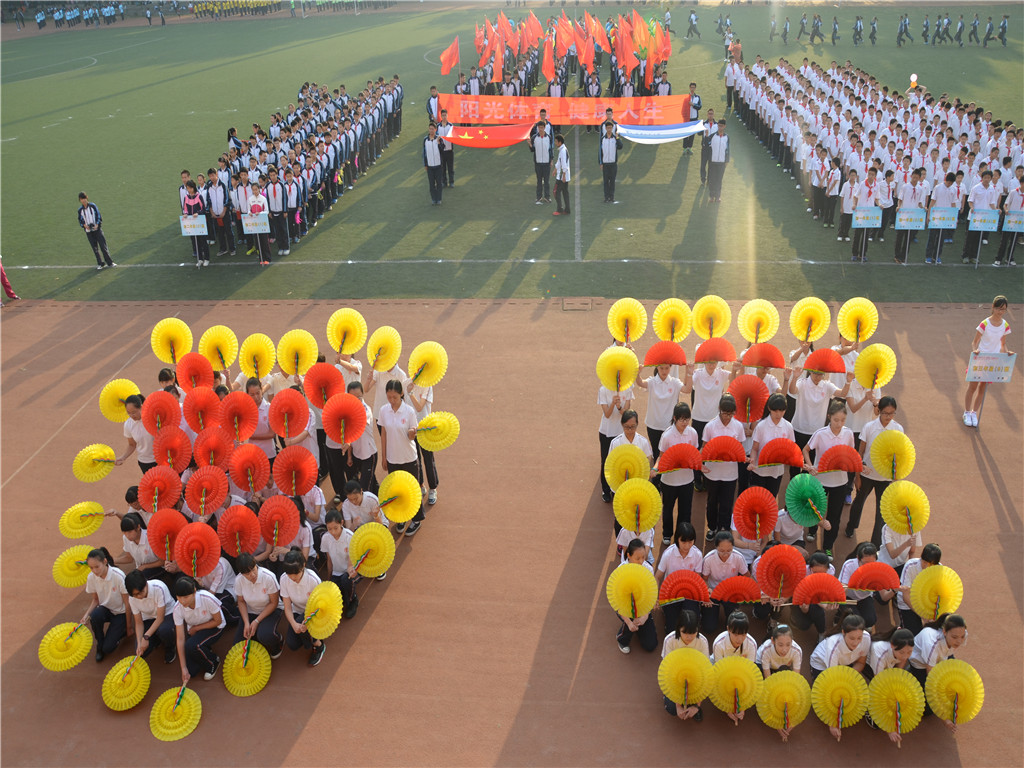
(398, 422)
(90, 220)
(643, 626)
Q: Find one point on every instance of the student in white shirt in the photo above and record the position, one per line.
(663, 392)
(735, 641)
(718, 565)
(220, 582)
(930, 555)
(779, 652)
(865, 552)
(681, 556)
(685, 636)
(151, 607)
(422, 401)
(989, 336)
(108, 609)
(335, 545)
(362, 454)
(630, 436)
(834, 482)
(937, 642)
(769, 428)
(137, 554)
(848, 645)
(296, 584)
(897, 548)
(397, 421)
(140, 442)
(812, 394)
(258, 595)
(720, 476)
(612, 407)
(676, 486)
(869, 480)
(643, 626)
(893, 653)
(803, 616)
(201, 611)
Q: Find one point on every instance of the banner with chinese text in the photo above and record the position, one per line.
(500, 110)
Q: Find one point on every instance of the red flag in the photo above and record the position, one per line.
(513, 42)
(624, 45)
(659, 43)
(478, 39)
(490, 136)
(649, 69)
(564, 37)
(624, 28)
(599, 34)
(536, 30)
(547, 66)
(587, 55)
(488, 47)
(666, 48)
(503, 25)
(450, 57)
(499, 59)
(524, 40)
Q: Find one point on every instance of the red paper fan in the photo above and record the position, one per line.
(160, 487)
(239, 415)
(665, 353)
(755, 513)
(249, 467)
(213, 446)
(344, 418)
(764, 355)
(825, 361)
(819, 588)
(322, 382)
(723, 448)
(202, 409)
(194, 371)
(289, 413)
(875, 576)
(171, 447)
(295, 470)
(280, 513)
(206, 490)
(737, 589)
(163, 530)
(781, 450)
(715, 350)
(197, 549)
(780, 570)
(751, 395)
(841, 457)
(238, 530)
(682, 456)
(160, 410)
(683, 585)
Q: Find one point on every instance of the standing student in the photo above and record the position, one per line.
(834, 482)
(193, 207)
(695, 107)
(983, 196)
(608, 159)
(898, 548)
(444, 130)
(422, 401)
(708, 382)
(258, 204)
(912, 196)
(201, 612)
(140, 442)
(663, 393)
(398, 443)
(636, 553)
(812, 394)
(685, 636)
(151, 607)
(721, 476)
(719, 158)
(779, 652)
(108, 609)
(848, 196)
(612, 405)
(90, 220)
(990, 336)
(681, 556)
(676, 486)
(710, 129)
(258, 594)
(561, 176)
(263, 436)
(770, 428)
(433, 147)
(334, 545)
(220, 214)
(718, 565)
(930, 555)
(869, 480)
(361, 463)
(543, 151)
(296, 584)
(937, 641)
(1014, 202)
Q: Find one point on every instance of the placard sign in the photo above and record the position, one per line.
(910, 218)
(193, 226)
(984, 220)
(1014, 221)
(255, 223)
(942, 218)
(990, 367)
(867, 217)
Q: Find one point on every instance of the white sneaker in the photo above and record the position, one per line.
(974, 419)
(967, 419)
(839, 239)
(206, 262)
(432, 496)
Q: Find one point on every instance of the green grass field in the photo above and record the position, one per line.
(119, 111)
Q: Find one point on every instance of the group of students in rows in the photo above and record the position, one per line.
(850, 142)
(796, 409)
(144, 595)
(295, 170)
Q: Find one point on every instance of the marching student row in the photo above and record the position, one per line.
(850, 142)
(295, 170)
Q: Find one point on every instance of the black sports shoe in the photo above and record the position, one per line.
(317, 654)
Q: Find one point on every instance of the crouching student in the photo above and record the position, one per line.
(151, 607)
(198, 623)
(258, 596)
(685, 636)
(296, 584)
(334, 545)
(636, 553)
(108, 610)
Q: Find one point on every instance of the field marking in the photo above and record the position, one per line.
(78, 58)
(13, 138)
(578, 243)
(429, 61)
(59, 122)
(91, 399)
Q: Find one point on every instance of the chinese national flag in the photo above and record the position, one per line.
(450, 57)
(547, 66)
(490, 136)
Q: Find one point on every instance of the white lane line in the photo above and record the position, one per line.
(90, 400)
(578, 244)
(435, 61)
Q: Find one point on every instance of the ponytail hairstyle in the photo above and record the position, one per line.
(738, 623)
(852, 623)
(836, 406)
(818, 558)
(947, 622)
(780, 630)
(131, 522)
(299, 505)
(931, 554)
(101, 554)
(136, 400)
(901, 638)
(294, 562)
(686, 624)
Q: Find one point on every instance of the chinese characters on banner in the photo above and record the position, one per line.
(990, 367)
(192, 226)
(497, 110)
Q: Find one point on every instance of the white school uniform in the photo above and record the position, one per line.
(812, 404)
(889, 536)
(298, 592)
(820, 442)
(611, 426)
(626, 536)
(669, 438)
(108, 589)
(673, 643)
(381, 379)
(141, 553)
(256, 595)
(707, 391)
(766, 431)
(143, 440)
(206, 607)
(263, 437)
(723, 647)
(786, 530)
(834, 652)
(856, 420)
(723, 470)
(220, 579)
(671, 561)
(910, 571)
(881, 657)
(350, 376)
(846, 573)
(662, 397)
(337, 550)
(749, 555)
(766, 654)
(365, 512)
(396, 424)
(366, 445)
(867, 436)
(930, 648)
(639, 441)
(157, 596)
(992, 335)
(716, 571)
(313, 499)
(426, 394)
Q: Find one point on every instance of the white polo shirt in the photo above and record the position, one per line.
(639, 441)
(365, 512)
(834, 652)
(298, 592)
(811, 404)
(707, 392)
(662, 396)
(820, 442)
(673, 643)
(716, 571)
(157, 596)
(671, 561)
(867, 436)
(723, 647)
(141, 553)
(723, 470)
(611, 426)
(264, 435)
(766, 431)
(337, 550)
(220, 579)
(143, 440)
(108, 589)
(889, 536)
(766, 654)
(671, 437)
(206, 607)
(930, 648)
(786, 530)
(256, 595)
(396, 424)
(366, 445)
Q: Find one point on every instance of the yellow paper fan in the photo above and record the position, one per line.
(93, 462)
(171, 338)
(735, 684)
(905, 507)
(428, 364)
(219, 345)
(627, 320)
(840, 697)
(936, 590)
(711, 316)
(346, 331)
(875, 366)
(758, 321)
(625, 462)
(296, 352)
(323, 610)
(70, 569)
(893, 455)
(671, 320)
(810, 318)
(81, 520)
(632, 590)
(637, 504)
(170, 723)
(65, 646)
(617, 368)
(955, 691)
(256, 356)
(246, 673)
(123, 688)
(112, 398)
(785, 700)
(400, 496)
(371, 550)
(384, 348)
(684, 676)
(437, 431)
(857, 319)
(895, 701)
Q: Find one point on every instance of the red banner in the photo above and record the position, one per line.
(501, 110)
